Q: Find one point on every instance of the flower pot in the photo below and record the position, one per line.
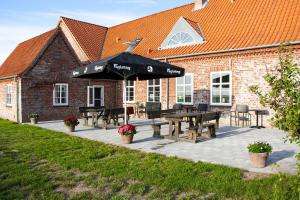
(127, 139)
(33, 120)
(71, 129)
(258, 160)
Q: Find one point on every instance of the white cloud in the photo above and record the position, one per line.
(137, 1)
(101, 18)
(12, 35)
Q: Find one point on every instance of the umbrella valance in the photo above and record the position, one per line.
(128, 66)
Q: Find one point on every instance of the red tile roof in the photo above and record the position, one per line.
(225, 25)
(89, 36)
(24, 55)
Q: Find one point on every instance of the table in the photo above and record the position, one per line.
(175, 121)
(94, 112)
(261, 113)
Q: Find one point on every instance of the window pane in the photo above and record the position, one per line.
(91, 98)
(225, 78)
(180, 80)
(225, 94)
(188, 89)
(180, 89)
(188, 79)
(150, 82)
(63, 100)
(216, 94)
(188, 98)
(157, 81)
(216, 78)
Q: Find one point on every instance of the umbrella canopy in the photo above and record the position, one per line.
(128, 66)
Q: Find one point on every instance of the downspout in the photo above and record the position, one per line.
(167, 90)
(17, 99)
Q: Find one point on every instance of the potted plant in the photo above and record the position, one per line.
(127, 132)
(71, 123)
(33, 118)
(259, 152)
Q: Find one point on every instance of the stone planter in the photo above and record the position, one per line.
(70, 129)
(33, 120)
(127, 139)
(258, 160)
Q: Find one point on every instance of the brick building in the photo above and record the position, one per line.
(224, 45)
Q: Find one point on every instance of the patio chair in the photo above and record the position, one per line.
(178, 107)
(241, 113)
(153, 110)
(202, 107)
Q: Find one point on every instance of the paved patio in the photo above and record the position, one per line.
(229, 148)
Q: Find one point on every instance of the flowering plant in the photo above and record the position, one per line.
(71, 121)
(33, 115)
(260, 147)
(127, 129)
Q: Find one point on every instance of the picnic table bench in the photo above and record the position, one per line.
(114, 114)
(91, 112)
(195, 129)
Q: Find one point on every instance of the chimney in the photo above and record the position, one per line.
(199, 4)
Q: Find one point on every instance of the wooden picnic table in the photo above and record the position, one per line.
(175, 121)
(91, 112)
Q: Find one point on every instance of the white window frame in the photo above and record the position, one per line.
(125, 92)
(67, 95)
(192, 86)
(9, 93)
(180, 43)
(88, 95)
(154, 86)
(230, 88)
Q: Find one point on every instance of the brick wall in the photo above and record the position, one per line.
(55, 66)
(247, 69)
(9, 112)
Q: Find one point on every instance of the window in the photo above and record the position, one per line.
(60, 94)
(130, 90)
(220, 88)
(184, 89)
(154, 90)
(9, 94)
(180, 39)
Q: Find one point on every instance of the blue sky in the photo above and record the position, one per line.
(23, 19)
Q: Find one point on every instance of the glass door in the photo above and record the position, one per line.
(95, 96)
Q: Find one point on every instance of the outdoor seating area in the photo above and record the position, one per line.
(200, 122)
(228, 148)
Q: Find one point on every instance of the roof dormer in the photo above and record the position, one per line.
(185, 32)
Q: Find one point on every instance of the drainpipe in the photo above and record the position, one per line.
(167, 90)
(17, 100)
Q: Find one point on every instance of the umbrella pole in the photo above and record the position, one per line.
(125, 109)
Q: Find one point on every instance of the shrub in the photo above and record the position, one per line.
(127, 129)
(33, 115)
(260, 147)
(71, 121)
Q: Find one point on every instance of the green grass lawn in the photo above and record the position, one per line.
(41, 164)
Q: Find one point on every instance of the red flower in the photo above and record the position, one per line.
(71, 121)
(127, 129)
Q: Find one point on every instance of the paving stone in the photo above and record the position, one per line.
(229, 148)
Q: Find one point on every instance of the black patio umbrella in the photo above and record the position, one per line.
(128, 66)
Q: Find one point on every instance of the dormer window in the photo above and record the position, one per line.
(180, 39)
(185, 32)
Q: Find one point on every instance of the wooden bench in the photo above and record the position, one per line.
(157, 127)
(114, 114)
(211, 132)
(97, 112)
